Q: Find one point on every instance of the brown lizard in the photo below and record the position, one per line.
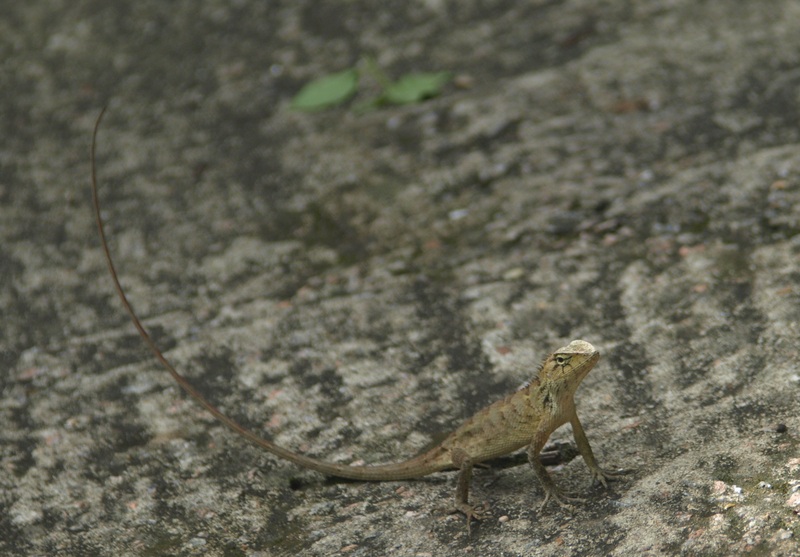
(526, 417)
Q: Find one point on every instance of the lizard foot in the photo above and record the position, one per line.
(563, 500)
(471, 513)
(601, 476)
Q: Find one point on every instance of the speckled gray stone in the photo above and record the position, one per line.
(353, 285)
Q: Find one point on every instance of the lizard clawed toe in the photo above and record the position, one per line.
(564, 501)
(471, 513)
(602, 476)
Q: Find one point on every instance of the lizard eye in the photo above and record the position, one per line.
(561, 359)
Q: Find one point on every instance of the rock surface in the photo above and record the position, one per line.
(353, 285)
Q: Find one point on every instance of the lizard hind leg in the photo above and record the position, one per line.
(465, 465)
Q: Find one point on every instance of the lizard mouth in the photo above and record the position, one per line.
(585, 367)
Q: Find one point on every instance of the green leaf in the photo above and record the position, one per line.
(415, 87)
(327, 91)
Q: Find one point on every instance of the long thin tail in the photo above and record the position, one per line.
(385, 472)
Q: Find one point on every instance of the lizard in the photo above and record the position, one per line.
(525, 418)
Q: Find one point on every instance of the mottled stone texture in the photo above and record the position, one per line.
(355, 284)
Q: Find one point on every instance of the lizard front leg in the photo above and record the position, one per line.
(549, 487)
(599, 475)
(464, 463)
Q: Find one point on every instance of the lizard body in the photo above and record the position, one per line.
(526, 417)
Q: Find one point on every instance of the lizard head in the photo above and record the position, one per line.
(569, 364)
